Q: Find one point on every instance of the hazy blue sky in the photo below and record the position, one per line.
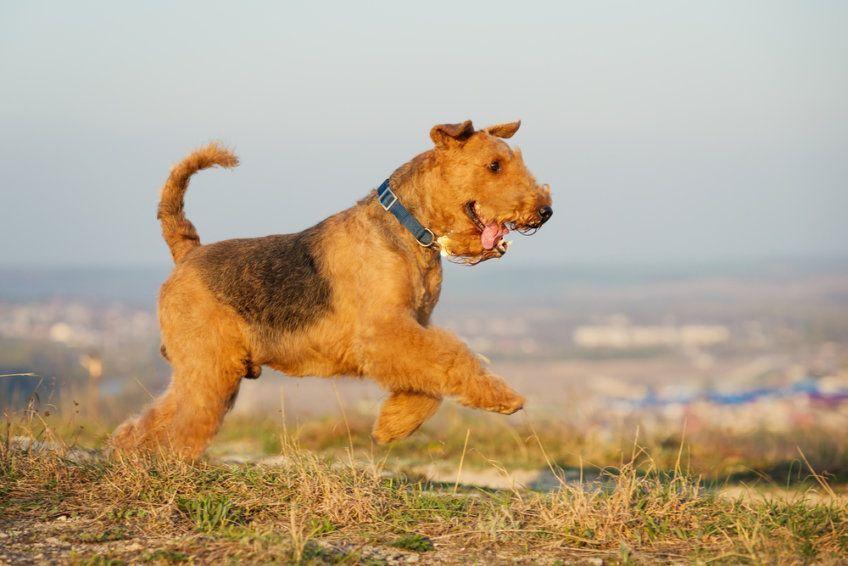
(668, 130)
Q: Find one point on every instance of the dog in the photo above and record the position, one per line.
(352, 295)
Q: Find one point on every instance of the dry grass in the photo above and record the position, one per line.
(343, 506)
(522, 443)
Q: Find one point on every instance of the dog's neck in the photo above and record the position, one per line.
(409, 183)
(413, 183)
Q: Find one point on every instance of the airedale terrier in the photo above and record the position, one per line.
(351, 295)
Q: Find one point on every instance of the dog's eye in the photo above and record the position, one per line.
(494, 166)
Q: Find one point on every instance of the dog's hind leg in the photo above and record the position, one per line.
(401, 415)
(188, 414)
(186, 417)
(206, 347)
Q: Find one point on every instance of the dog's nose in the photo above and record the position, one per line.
(545, 213)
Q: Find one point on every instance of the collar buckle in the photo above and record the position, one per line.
(389, 202)
(432, 239)
(386, 203)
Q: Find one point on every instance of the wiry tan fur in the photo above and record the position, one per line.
(375, 319)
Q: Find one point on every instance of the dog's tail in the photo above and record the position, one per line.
(179, 233)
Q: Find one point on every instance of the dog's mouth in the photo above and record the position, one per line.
(491, 232)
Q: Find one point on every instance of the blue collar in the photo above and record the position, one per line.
(389, 201)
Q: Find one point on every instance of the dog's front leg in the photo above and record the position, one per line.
(401, 415)
(405, 356)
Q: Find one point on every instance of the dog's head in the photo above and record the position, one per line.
(485, 191)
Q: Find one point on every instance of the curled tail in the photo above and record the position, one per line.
(179, 233)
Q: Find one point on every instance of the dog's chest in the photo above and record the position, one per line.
(427, 292)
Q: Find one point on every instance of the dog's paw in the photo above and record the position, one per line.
(511, 405)
(401, 415)
(494, 395)
(382, 437)
(506, 405)
(385, 433)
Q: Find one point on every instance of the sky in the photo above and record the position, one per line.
(669, 131)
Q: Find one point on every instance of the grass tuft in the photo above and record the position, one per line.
(211, 512)
(414, 542)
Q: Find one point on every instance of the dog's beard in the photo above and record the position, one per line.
(491, 234)
(452, 250)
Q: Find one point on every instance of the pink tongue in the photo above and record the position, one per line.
(491, 234)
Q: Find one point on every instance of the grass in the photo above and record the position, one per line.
(211, 511)
(414, 542)
(333, 504)
(713, 455)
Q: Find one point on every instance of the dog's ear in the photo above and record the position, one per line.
(504, 130)
(445, 134)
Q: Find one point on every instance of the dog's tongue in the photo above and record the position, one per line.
(491, 234)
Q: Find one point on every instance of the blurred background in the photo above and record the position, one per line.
(694, 276)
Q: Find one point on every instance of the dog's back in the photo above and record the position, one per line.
(274, 282)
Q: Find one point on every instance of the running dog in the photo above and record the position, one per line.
(351, 295)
